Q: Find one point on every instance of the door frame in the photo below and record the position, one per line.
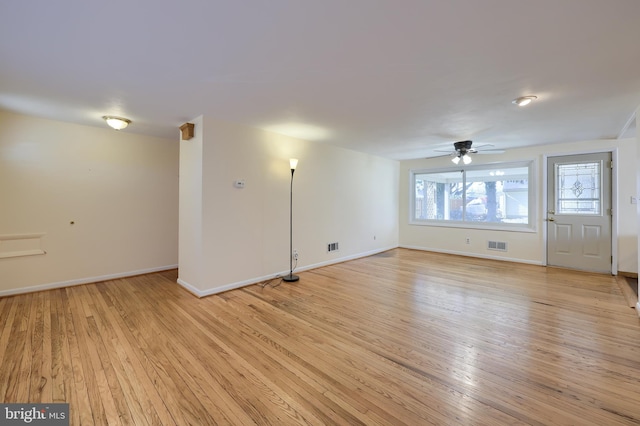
(614, 202)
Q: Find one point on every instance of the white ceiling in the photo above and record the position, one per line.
(396, 78)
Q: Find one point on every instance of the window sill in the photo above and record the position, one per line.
(476, 225)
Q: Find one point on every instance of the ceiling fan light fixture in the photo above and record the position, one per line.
(117, 123)
(524, 100)
(466, 159)
(456, 159)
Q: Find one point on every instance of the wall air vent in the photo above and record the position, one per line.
(497, 245)
(332, 247)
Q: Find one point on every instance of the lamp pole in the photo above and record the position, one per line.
(290, 278)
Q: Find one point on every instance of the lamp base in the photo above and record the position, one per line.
(290, 278)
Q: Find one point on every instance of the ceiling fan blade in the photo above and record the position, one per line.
(491, 151)
(440, 156)
(484, 145)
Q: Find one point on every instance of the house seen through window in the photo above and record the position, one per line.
(493, 194)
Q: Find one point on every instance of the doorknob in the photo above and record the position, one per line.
(551, 219)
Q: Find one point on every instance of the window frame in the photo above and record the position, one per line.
(530, 227)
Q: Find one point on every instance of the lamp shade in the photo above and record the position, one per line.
(466, 159)
(456, 160)
(117, 123)
(293, 162)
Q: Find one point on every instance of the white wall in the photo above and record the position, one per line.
(120, 189)
(339, 195)
(637, 168)
(190, 206)
(525, 247)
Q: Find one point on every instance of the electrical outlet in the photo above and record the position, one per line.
(295, 255)
(467, 240)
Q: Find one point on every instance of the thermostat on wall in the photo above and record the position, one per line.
(239, 183)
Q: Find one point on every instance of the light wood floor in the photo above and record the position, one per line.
(403, 337)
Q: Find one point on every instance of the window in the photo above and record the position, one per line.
(484, 196)
(578, 188)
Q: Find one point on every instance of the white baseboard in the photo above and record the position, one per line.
(215, 290)
(208, 292)
(343, 259)
(191, 289)
(80, 281)
(480, 256)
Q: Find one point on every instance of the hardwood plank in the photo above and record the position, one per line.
(38, 358)
(60, 353)
(279, 364)
(8, 307)
(261, 386)
(20, 378)
(80, 378)
(125, 397)
(403, 337)
(282, 364)
(625, 284)
(146, 394)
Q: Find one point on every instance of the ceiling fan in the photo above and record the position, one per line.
(462, 149)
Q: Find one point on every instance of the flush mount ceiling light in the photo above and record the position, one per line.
(117, 123)
(524, 100)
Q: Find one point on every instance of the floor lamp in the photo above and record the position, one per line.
(293, 162)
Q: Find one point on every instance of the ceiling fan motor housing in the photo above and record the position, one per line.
(462, 146)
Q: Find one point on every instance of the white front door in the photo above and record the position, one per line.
(579, 212)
